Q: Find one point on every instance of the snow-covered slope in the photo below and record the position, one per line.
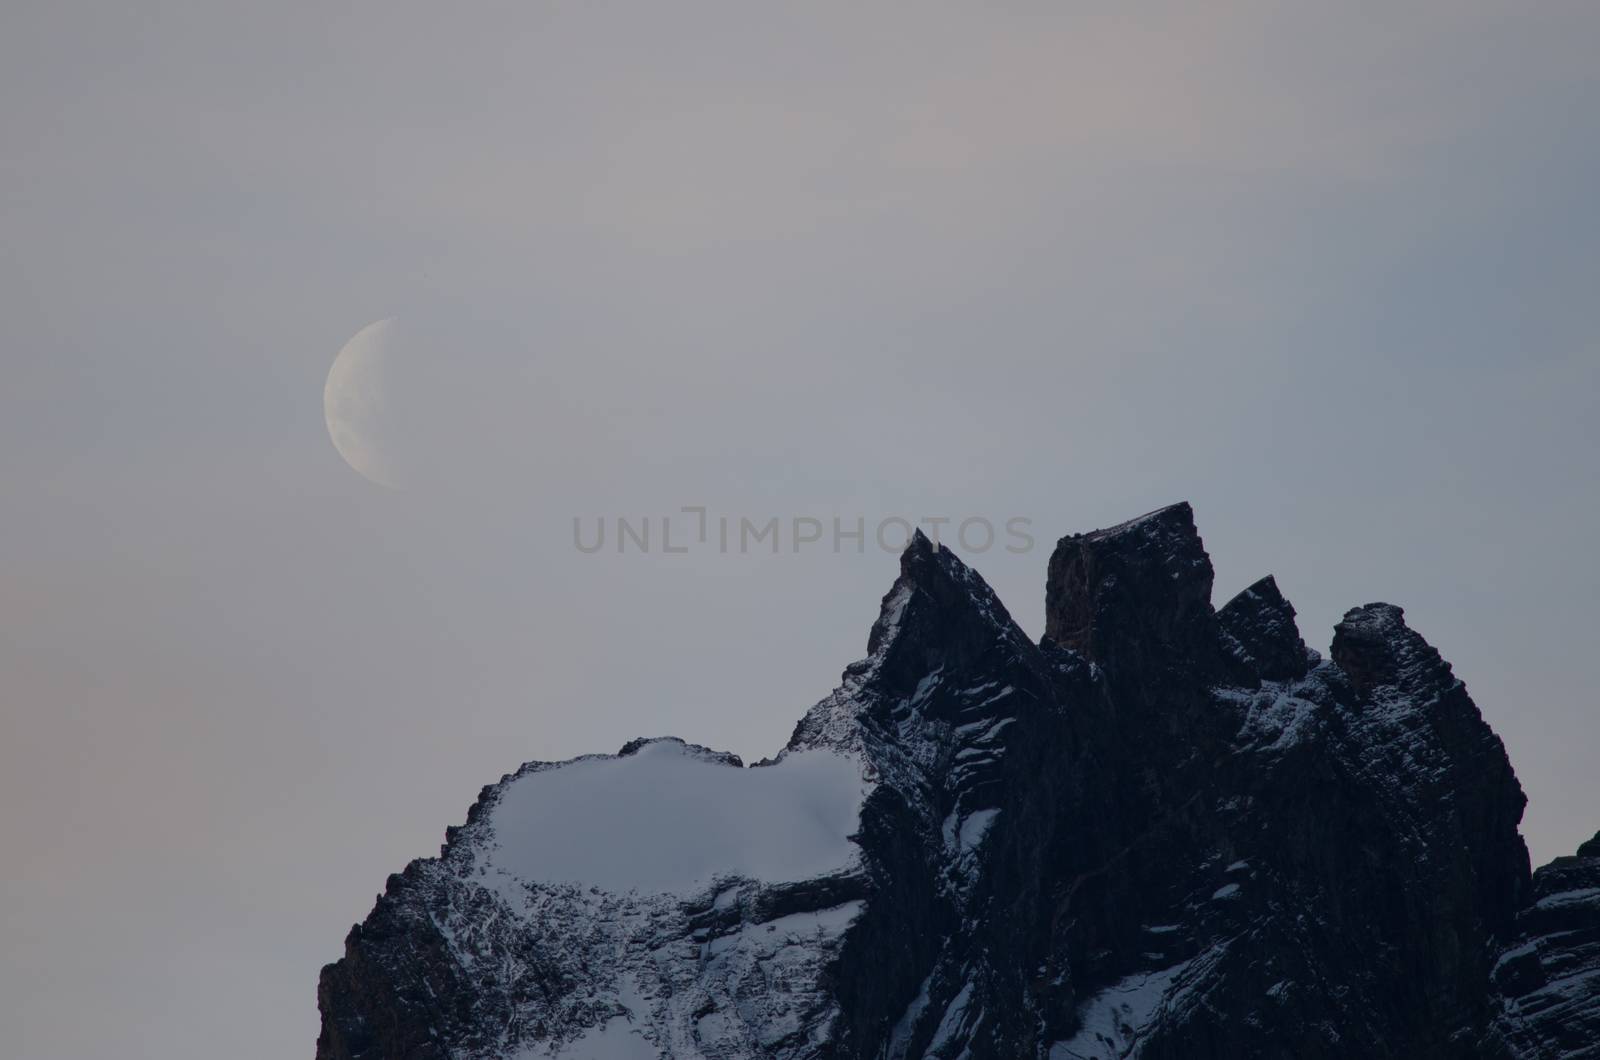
(668, 819)
(624, 905)
(1164, 831)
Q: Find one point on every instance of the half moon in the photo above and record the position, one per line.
(355, 403)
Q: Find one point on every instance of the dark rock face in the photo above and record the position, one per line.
(1164, 831)
(1548, 979)
(1258, 630)
(1136, 593)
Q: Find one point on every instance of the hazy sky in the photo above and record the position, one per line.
(1330, 275)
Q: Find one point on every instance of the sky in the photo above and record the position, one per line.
(1325, 271)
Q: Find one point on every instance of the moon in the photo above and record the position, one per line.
(355, 402)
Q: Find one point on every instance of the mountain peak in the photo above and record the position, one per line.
(1171, 520)
(1374, 647)
(1133, 594)
(1168, 831)
(939, 597)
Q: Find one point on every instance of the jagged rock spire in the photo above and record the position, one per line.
(1258, 626)
(1133, 594)
(1374, 647)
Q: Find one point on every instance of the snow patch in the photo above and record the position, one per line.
(615, 1039)
(974, 827)
(900, 1037)
(664, 820)
(1276, 720)
(954, 1017)
(1562, 898)
(1116, 1018)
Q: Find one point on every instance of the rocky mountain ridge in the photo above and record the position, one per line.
(1164, 830)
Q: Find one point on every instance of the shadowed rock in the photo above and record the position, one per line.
(1136, 594)
(1259, 628)
(1548, 977)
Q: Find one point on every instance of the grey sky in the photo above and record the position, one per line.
(1329, 275)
